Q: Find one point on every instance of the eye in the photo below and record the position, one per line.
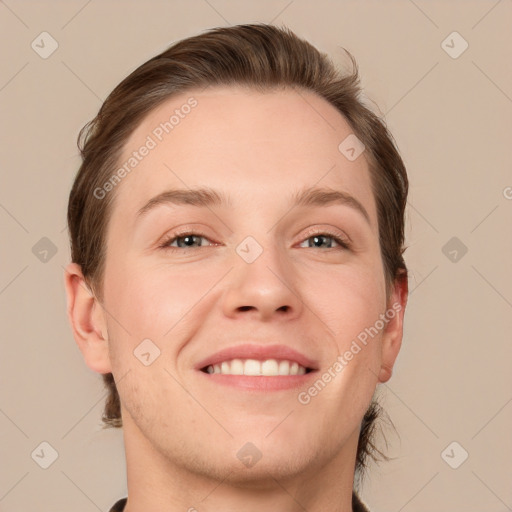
(183, 241)
(193, 240)
(326, 240)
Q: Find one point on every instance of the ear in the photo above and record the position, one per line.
(392, 336)
(87, 319)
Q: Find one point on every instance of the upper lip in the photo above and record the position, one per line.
(258, 352)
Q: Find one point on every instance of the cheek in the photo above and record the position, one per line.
(151, 302)
(350, 304)
(348, 299)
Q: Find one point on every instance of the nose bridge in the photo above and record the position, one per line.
(262, 280)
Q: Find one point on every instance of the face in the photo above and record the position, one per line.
(244, 278)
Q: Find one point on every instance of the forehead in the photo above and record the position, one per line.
(240, 140)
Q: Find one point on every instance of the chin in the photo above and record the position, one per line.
(264, 473)
(256, 465)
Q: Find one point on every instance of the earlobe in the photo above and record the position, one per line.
(87, 320)
(393, 332)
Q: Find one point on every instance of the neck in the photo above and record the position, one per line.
(156, 483)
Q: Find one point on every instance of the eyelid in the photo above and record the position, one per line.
(340, 237)
(331, 231)
(166, 239)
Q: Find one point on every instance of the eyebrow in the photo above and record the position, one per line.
(206, 197)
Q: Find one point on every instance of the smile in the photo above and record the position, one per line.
(255, 368)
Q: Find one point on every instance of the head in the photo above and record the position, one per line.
(259, 115)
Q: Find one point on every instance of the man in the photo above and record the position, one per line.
(237, 273)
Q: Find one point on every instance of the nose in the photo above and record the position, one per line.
(264, 289)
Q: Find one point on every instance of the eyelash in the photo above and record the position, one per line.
(342, 242)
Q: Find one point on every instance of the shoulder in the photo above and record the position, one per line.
(118, 505)
(357, 504)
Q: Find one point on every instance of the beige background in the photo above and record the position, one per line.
(452, 121)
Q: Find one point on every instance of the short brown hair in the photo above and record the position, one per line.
(263, 57)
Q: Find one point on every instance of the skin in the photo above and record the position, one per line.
(181, 431)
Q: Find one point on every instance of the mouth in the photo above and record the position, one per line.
(256, 368)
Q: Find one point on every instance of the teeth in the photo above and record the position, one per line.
(253, 367)
(237, 367)
(284, 368)
(270, 367)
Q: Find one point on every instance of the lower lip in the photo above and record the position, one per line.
(260, 383)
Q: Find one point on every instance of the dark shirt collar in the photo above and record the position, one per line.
(357, 504)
